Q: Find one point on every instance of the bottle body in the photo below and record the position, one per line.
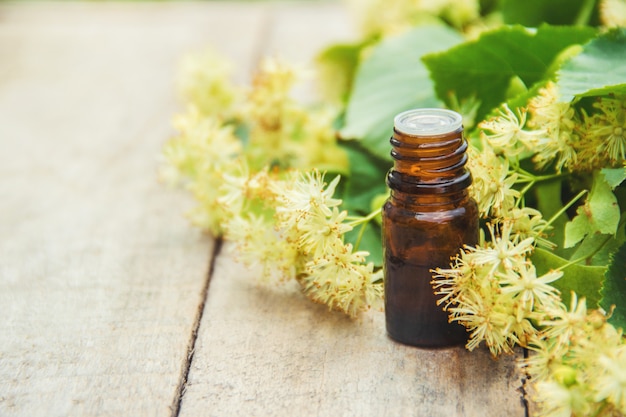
(428, 217)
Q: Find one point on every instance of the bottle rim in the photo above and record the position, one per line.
(427, 122)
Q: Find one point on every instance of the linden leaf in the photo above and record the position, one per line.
(534, 12)
(550, 206)
(337, 65)
(482, 69)
(366, 180)
(585, 281)
(614, 290)
(614, 176)
(599, 214)
(390, 80)
(365, 183)
(599, 69)
(371, 241)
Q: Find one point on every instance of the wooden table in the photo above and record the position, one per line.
(111, 304)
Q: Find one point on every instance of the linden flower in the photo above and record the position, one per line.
(493, 182)
(557, 400)
(202, 153)
(563, 323)
(613, 13)
(209, 214)
(528, 222)
(506, 131)
(269, 97)
(233, 193)
(557, 123)
(204, 81)
(528, 289)
(320, 233)
(241, 190)
(315, 143)
(547, 354)
(201, 144)
(609, 128)
(611, 383)
(309, 193)
(384, 17)
(485, 318)
(493, 290)
(503, 253)
(258, 244)
(341, 280)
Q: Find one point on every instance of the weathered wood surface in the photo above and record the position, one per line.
(262, 351)
(102, 281)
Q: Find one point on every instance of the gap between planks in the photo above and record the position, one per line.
(182, 386)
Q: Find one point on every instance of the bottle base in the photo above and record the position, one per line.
(427, 344)
(427, 335)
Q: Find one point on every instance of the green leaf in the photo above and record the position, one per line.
(482, 69)
(337, 65)
(536, 12)
(364, 186)
(549, 206)
(614, 176)
(366, 181)
(393, 79)
(585, 281)
(371, 241)
(598, 70)
(614, 290)
(599, 214)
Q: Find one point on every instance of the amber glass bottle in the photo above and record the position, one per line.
(426, 220)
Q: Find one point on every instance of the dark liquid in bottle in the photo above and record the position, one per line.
(412, 314)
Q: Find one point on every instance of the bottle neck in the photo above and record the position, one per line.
(429, 169)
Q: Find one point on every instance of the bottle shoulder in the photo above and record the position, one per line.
(442, 212)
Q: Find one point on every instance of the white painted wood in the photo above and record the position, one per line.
(101, 277)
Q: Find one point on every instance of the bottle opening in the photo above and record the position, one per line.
(428, 122)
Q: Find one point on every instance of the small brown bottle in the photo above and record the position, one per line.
(428, 217)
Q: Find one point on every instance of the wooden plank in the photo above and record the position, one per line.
(265, 351)
(101, 277)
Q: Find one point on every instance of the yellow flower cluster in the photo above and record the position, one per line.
(613, 13)
(298, 232)
(384, 17)
(555, 133)
(241, 154)
(494, 291)
(334, 273)
(579, 363)
(281, 131)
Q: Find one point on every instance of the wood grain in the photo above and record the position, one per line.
(101, 277)
(267, 351)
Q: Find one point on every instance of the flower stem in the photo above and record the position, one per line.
(585, 12)
(359, 237)
(529, 177)
(523, 191)
(363, 221)
(562, 210)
